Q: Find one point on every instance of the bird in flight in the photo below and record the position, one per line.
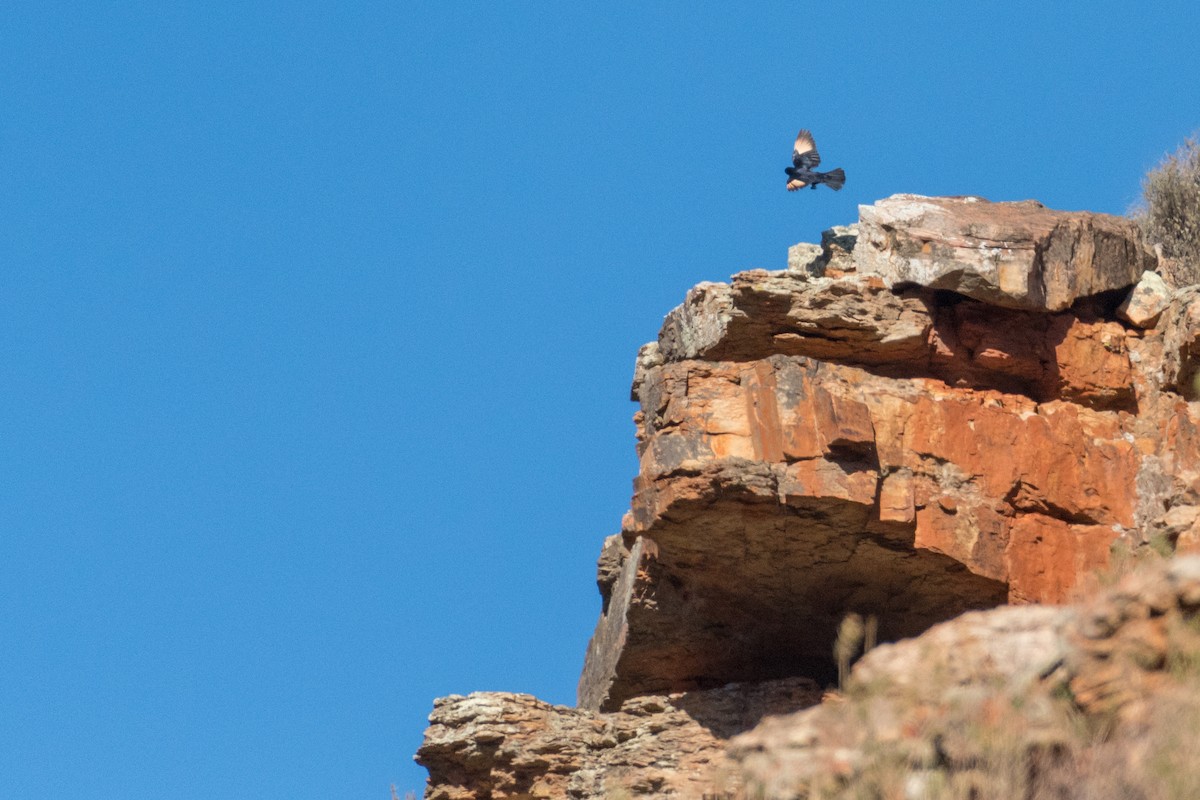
(804, 159)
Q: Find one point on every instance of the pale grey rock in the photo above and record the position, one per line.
(648, 357)
(1179, 325)
(1014, 644)
(851, 318)
(496, 744)
(1017, 255)
(837, 246)
(956, 665)
(1146, 301)
(806, 259)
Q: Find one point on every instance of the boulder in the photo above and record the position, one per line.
(1016, 255)
(1146, 301)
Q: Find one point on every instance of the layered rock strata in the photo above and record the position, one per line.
(494, 744)
(952, 406)
(817, 445)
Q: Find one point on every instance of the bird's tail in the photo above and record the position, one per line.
(835, 179)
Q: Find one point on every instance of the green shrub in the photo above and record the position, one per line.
(1169, 212)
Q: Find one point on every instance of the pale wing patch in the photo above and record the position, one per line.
(804, 152)
(794, 184)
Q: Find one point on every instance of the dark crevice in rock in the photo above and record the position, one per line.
(1025, 498)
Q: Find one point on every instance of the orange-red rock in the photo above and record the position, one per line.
(813, 444)
(820, 420)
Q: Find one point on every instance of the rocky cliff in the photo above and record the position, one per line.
(951, 406)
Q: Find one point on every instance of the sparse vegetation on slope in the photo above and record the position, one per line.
(1098, 702)
(1170, 212)
(1000, 748)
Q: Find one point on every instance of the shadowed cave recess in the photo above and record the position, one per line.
(747, 589)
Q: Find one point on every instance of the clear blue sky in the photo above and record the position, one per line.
(317, 323)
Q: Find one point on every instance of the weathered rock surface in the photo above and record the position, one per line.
(856, 320)
(912, 450)
(494, 744)
(993, 704)
(781, 494)
(805, 258)
(1019, 255)
(977, 704)
(1146, 301)
(956, 417)
(762, 313)
(833, 256)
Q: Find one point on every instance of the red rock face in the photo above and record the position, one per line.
(811, 447)
(986, 416)
(785, 492)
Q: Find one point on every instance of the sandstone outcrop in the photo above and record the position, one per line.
(952, 406)
(493, 744)
(911, 454)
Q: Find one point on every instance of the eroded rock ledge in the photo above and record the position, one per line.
(953, 405)
(1018, 255)
(493, 744)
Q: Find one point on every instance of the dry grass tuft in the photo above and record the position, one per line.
(993, 752)
(1169, 213)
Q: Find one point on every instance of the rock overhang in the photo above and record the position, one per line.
(903, 438)
(836, 439)
(738, 580)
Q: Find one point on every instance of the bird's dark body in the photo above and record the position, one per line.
(802, 173)
(835, 177)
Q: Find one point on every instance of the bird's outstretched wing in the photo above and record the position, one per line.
(794, 184)
(804, 153)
